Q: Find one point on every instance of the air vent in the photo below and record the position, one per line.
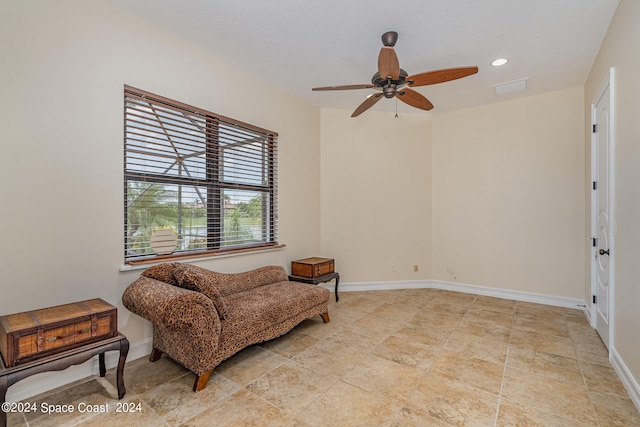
(512, 86)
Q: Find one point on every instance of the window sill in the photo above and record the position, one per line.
(146, 263)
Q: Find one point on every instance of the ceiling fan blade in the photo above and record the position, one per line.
(388, 64)
(344, 87)
(414, 99)
(368, 103)
(440, 76)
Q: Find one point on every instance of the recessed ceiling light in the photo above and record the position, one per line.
(500, 61)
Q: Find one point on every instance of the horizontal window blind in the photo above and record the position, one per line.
(195, 181)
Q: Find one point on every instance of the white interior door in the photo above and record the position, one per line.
(602, 215)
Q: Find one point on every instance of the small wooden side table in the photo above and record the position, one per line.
(60, 361)
(321, 279)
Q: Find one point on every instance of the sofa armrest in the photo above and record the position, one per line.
(186, 325)
(167, 305)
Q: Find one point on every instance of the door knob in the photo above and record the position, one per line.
(603, 252)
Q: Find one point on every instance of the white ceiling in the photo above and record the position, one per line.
(300, 44)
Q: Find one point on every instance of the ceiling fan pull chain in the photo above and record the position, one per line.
(396, 108)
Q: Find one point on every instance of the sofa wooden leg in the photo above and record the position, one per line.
(155, 355)
(201, 381)
(325, 317)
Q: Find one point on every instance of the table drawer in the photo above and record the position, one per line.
(312, 267)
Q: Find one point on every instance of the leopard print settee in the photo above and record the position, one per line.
(201, 317)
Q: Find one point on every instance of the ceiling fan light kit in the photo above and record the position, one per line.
(392, 81)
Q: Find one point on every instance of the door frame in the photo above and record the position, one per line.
(608, 83)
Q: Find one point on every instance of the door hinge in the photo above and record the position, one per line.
(595, 185)
(595, 241)
(595, 299)
(595, 128)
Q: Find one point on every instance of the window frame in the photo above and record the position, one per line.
(214, 182)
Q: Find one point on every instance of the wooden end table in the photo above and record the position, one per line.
(321, 279)
(60, 361)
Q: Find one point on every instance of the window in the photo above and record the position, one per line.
(194, 182)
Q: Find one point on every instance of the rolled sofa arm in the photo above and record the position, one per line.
(186, 325)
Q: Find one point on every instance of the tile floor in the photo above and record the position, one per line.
(420, 357)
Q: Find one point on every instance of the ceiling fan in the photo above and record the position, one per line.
(393, 81)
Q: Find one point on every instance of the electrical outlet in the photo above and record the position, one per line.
(416, 268)
(394, 268)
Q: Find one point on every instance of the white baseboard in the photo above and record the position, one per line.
(380, 286)
(40, 383)
(510, 294)
(625, 376)
(466, 288)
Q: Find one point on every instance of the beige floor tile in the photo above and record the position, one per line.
(577, 316)
(561, 346)
(453, 403)
(590, 349)
(547, 364)
(442, 321)
(407, 417)
(406, 351)
(447, 306)
(498, 305)
(291, 344)
(242, 408)
(347, 405)
(460, 298)
(89, 393)
(249, 365)
(135, 414)
(433, 335)
(330, 359)
(398, 310)
(559, 397)
(482, 329)
(379, 323)
(291, 386)
(176, 402)
(141, 375)
(489, 319)
(540, 311)
(416, 297)
(357, 303)
(512, 414)
(315, 327)
(613, 410)
(490, 348)
(478, 373)
(548, 327)
(16, 419)
(356, 336)
(602, 379)
(376, 374)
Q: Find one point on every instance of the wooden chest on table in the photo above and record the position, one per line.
(34, 334)
(312, 267)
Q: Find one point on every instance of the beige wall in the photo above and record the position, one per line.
(620, 50)
(508, 203)
(64, 64)
(376, 195)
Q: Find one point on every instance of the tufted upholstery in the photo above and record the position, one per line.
(201, 317)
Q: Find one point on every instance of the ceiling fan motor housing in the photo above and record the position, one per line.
(389, 86)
